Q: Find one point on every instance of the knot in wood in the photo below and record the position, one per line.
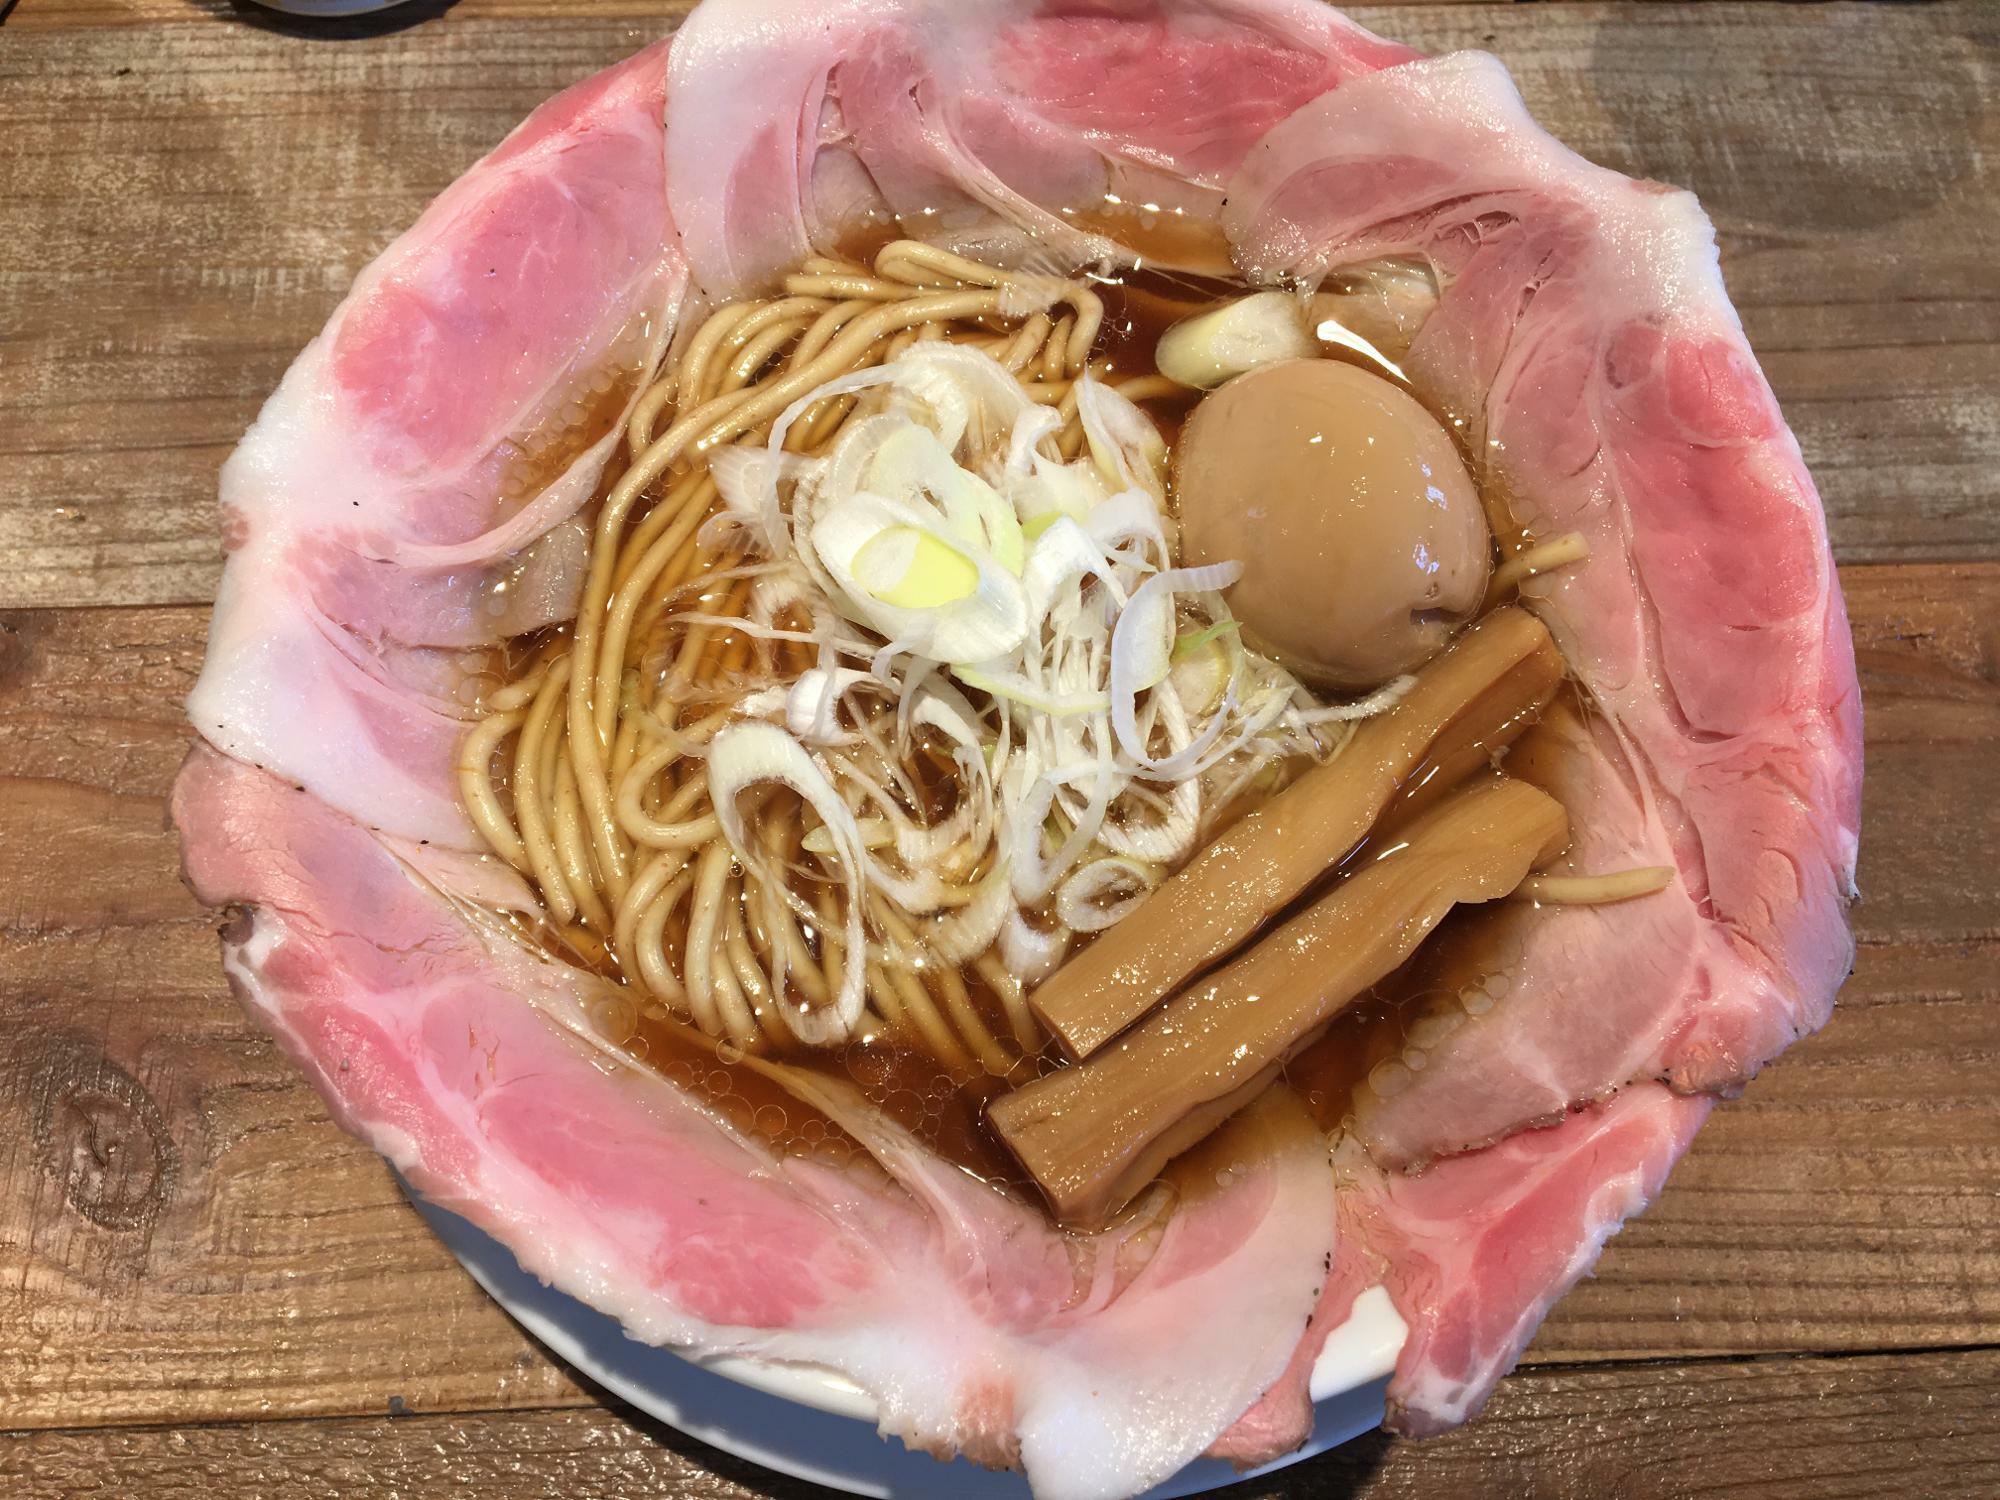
(99, 1133)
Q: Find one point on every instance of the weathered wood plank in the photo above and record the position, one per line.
(1794, 1429)
(184, 1235)
(72, 14)
(50, 14)
(181, 207)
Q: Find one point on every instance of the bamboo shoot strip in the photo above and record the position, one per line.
(1472, 700)
(1094, 1134)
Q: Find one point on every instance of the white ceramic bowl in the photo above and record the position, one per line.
(816, 1425)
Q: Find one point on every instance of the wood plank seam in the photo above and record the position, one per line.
(592, 1397)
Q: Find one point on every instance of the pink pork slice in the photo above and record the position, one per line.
(1585, 340)
(443, 435)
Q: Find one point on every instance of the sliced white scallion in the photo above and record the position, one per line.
(972, 596)
(1142, 655)
(752, 753)
(989, 619)
(1205, 350)
(1124, 444)
(1104, 892)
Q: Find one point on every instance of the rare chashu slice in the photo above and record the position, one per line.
(1582, 330)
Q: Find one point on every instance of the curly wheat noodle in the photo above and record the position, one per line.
(917, 1003)
(728, 655)
(754, 984)
(573, 848)
(1055, 364)
(646, 413)
(925, 264)
(764, 314)
(1544, 557)
(609, 812)
(832, 265)
(692, 374)
(631, 595)
(673, 828)
(649, 940)
(533, 770)
(476, 788)
(688, 497)
(971, 1025)
(655, 878)
(846, 285)
(625, 748)
(704, 427)
(739, 1020)
(815, 339)
(771, 924)
(819, 424)
(704, 922)
(832, 958)
(1022, 346)
(698, 643)
(639, 591)
(884, 1007)
(1013, 999)
(1595, 890)
(758, 351)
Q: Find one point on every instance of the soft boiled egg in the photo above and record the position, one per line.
(1363, 542)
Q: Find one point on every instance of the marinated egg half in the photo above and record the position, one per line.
(1363, 542)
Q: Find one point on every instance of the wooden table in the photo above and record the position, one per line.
(206, 1288)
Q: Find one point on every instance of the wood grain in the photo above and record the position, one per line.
(185, 204)
(184, 1235)
(71, 14)
(206, 1289)
(1792, 1429)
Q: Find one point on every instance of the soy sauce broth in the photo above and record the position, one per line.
(940, 1106)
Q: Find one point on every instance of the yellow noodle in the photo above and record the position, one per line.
(609, 818)
(625, 607)
(883, 1002)
(971, 1026)
(764, 314)
(906, 260)
(1595, 890)
(845, 285)
(732, 1002)
(532, 804)
(646, 413)
(690, 488)
(1149, 388)
(693, 372)
(1030, 337)
(573, 844)
(758, 352)
(1013, 999)
(910, 990)
(1544, 557)
(655, 970)
(626, 746)
(704, 923)
(649, 885)
(754, 983)
(520, 692)
(1055, 363)
(815, 339)
(475, 785)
